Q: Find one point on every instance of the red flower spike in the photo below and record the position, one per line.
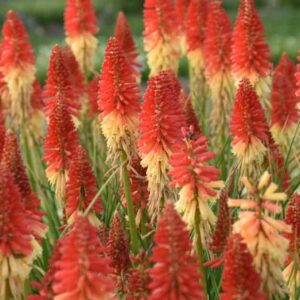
(81, 185)
(240, 280)
(92, 91)
(161, 35)
(118, 101)
(126, 42)
(82, 270)
(58, 84)
(250, 131)
(117, 247)
(160, 131)
(16, 52)
(37, 102)
(11, 159)
(250, 53)
(223, 226)
(175, 272)
(181, 7)
(81, 28)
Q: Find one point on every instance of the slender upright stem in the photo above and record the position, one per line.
(129, 205)
(200, 251)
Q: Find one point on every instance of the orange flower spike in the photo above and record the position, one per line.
(196, 25)
(83, 269)
(240, 279)
(160, 131)
(250, 131)
(17, 64)
(262, 232)
(250, 53)
(124, 36)
(18, 248)
(118, 101)
(291, 273)
(284, 114)
(11, 158)
(198, 182)
(81, 187)
(81, 28)
(161, 36)
(217, 51)
(175, 271)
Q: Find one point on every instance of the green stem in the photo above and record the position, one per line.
(129, 205)
(200, 251)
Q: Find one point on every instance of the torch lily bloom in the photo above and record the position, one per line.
(18, 248)
(262, 232)
(82, 269)
(160, 130)
(81, 187)
(161, 36)
(175, 272)
(250, 53)
(81, 28)
(126, 42)
(250, 131)
(284, 115)
(12, 160)
(240, 279)
(118, 97)
(17, 65)
(217, 51)
(292, 273)
(197, 181)
(195, 26)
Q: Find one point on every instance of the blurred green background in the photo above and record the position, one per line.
(44, 21)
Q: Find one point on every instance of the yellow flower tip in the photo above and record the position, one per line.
(264, 180)
(248, 185)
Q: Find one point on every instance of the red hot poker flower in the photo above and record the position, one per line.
(118, 97)
(175, 272)
(81, 28)
(81, 185)
(82, 270)
(125, 39)
(240, 279)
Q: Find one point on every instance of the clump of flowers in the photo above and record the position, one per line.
(175, 271)
(262, 232)
(217, 51)
(118, 97)
(198, 182)
(17, 66)
(161, 120)
(250, 131)
(292, 273)
(240, 279)
(161, 36)
(250, 53)
(81, 28)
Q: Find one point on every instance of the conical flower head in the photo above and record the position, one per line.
(161, 120)
(240, 279)
(250, 131)
(59, 84)
(17, 246)
(118, 97)
(82, 269)
(284, 114)
(175, 271)
(81, 28)
(250, 53)
(197, 180)
(17, 64)
(81, 185)
(161, 36)
(12, 160)
(124, 37)
(262, 232)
